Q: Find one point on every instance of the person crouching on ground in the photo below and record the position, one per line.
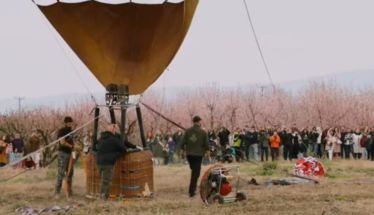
(195, 143)
(109, 149)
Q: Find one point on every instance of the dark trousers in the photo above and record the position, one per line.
(319, 150)
(274, 154)
(347, 151)
(371, 153)
(247, 147)
(368, 149)
(238, 154)
(286, 152)
(357, 155)
(195, 166)
(106, 175)
(62, 169)
(264, 151)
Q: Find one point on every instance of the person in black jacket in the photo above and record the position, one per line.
(286, 141)
(65, 149)
(109, 149)
(195, 143)
(251, 144)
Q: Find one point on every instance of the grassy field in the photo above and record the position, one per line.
(347, 189)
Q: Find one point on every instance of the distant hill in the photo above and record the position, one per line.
(353, 80)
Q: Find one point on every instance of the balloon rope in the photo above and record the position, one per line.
(258, 44)
(50, 144)
(162, 116)
(53, 34)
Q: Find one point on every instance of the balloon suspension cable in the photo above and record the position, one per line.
(162, 116)
(60, 46)
(48, 146)
(258, 44)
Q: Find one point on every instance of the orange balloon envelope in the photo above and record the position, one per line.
(125, 44)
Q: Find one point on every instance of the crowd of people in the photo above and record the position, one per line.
(13, 148)
(252, 144)
(194, 146)
(247, 144)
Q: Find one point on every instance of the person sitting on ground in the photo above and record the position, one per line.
(109, 149)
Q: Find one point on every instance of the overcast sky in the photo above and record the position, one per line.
(300, 39)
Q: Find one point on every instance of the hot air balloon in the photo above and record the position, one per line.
(127, 45)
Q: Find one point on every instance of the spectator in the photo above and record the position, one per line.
(172, 147)
(363, 143)
(264, 139)
(177, 138)
(357, 149)
(338, 148)
(286, 142)
(313, 137)
(368, 143)
(319, 147)
(347, 144)
(32, 146)
(251, 144)
(275, 144)
(237, 145)
(223, 136)
(18, 148)
(304, 143)
(343, 147)
(3, 155)
(159, 150)
(296, 141)
(331, 143)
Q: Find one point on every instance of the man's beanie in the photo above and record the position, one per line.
(68, 119)
(196, 119)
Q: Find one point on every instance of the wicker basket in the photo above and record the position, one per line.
(133, 175)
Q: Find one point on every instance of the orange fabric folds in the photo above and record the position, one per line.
(275, 141)
(129, 43)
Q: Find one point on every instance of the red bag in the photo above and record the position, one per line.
(363, 141)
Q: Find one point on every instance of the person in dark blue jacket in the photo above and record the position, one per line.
(109, 149)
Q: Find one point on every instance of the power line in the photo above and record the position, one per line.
(258, 44)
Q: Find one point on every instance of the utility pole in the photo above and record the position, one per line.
(19, 99)
(262, 87)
